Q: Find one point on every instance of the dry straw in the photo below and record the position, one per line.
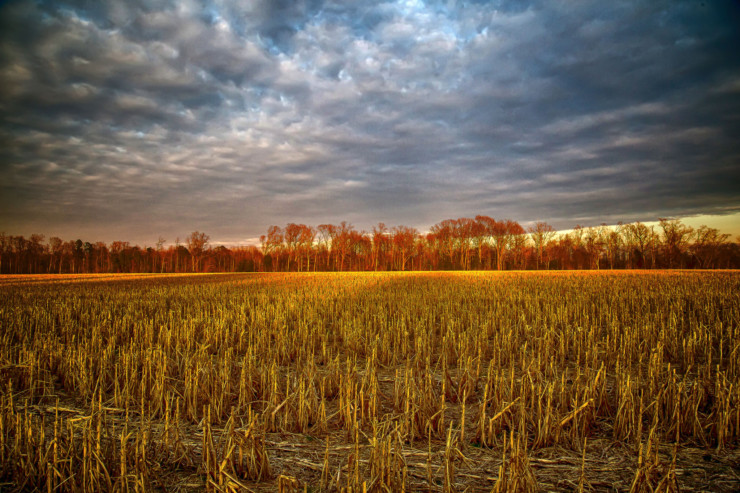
(371, 382)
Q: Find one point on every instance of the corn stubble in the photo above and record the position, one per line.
(372, 382)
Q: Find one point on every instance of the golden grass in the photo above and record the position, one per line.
(513, 381)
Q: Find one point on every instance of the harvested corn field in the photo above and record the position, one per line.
(371, 382)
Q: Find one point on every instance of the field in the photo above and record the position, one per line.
(371, 382)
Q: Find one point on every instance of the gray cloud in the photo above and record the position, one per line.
(131, 120)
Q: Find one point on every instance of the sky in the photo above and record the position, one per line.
(135, 120)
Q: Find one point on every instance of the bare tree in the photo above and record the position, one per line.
(272, 246)
(479, 237)
(594, 244)
(503, 232)
(707, 245)
(160, 255)
(403, 238)
(197, 244)
(612, 243)
(675, 240)
(102, 259)
(292, 240)
(464, 231)
(380, 240)
(305, 240)
(542, 234)
(578, 242)
(442, 237)
(637, 240)
(326, 233)
(341, 241)
(55, 248)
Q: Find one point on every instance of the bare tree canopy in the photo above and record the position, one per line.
(479, 243)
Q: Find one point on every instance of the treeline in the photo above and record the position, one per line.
(480, 243)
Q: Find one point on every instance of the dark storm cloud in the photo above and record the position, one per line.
(130, 120)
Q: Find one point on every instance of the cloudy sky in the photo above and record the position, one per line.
(131, 120)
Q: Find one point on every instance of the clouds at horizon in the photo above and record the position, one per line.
(133, 120)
